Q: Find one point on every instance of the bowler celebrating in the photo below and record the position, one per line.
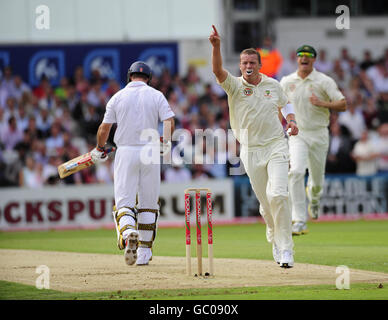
(254, 103)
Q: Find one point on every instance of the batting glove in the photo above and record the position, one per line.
(99, 154)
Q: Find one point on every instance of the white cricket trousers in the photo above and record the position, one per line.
(132, 177)
(308, 150)
(267, 169)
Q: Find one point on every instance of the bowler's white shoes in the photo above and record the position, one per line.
(130, 250)
(287, 259)
(144, 255)
(299, 228)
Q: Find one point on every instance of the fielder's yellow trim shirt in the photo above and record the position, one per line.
(253, 110)
(299, 91)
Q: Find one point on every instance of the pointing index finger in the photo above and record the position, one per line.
(215, 30)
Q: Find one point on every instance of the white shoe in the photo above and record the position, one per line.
(130, 250)
(144, 255)
(299, 228)
(287, 259)
(276, 253)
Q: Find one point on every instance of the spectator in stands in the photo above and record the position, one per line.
(379, 76)
(340, 76)
(345, 60)
(11, 108)
(19, 87)
(55, 140)
(271, 58)
(340, 148)
(44, 121)
(177, 173)
(365, 155)
(50, 171)
(11, 135)
(22, 118)
(31, 174)
(382, 146)
(104, 172)
(353, 120)
(200, 173)
(7, 84)
(370, 114)
(322, 64)
(367, 61)
(289, 65)
(96, 97)
(193, 82)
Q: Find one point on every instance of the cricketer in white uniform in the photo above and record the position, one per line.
(135, 108)
(254, 103)
(313, 94)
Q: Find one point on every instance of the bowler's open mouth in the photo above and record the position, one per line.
(249, 72)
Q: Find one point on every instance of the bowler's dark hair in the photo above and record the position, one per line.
(251, 51)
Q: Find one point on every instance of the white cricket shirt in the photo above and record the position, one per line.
(135, 108)
(253, 110)
(299, 91)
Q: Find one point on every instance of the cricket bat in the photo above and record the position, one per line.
(78, 163)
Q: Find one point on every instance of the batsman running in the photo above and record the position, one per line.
(255, 102)
(136, 109)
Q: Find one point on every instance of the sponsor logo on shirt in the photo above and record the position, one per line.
(248, 91)
(267, 94)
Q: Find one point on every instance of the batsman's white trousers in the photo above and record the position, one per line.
(132, 176)
(267, 169)
(308, 150)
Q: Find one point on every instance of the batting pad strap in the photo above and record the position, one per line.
(145, 244)
(149, 227)
(148, 210)
(126, 227)
(123, 212)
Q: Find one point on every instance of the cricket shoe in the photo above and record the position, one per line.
(144, 255)
(276, 253)
(287, 259)
(313, 209)
(130, 250)
(299, 228)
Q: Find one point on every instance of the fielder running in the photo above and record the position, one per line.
(254, 104)
(313, 95)
(135, 108)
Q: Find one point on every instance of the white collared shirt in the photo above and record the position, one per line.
(135, 108)
(299, 91)
(253, 110)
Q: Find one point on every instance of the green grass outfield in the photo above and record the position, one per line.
(356, 244)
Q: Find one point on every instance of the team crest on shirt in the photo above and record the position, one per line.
(248, 91)
(292, 87)
(267, 94)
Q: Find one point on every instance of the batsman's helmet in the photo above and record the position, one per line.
(141, 68)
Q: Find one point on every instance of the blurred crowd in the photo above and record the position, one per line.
(44, 126)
